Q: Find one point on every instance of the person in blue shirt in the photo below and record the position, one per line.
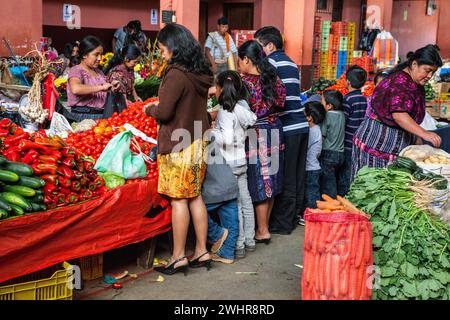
(289, 205)
(355, 105)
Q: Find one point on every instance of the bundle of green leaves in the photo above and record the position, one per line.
(411, 247)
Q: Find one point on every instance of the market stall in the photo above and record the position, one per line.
(114, 220)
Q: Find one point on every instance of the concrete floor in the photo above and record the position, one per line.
(277, 276)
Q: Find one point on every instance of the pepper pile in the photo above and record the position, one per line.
(92, 142)
(70, 176)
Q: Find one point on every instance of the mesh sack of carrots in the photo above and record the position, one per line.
(337, 252)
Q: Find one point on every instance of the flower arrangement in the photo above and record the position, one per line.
(61, 86)
(105, 59)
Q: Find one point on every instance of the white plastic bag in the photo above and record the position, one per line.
(429, 123)
(59, 126)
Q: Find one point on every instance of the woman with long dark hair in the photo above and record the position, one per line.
(87, 87)
(182, 115)
(121, 68)
(397, 108)
(265, 144)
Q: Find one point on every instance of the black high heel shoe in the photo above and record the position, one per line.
(265, 241)
(200, 264)
(170, 269)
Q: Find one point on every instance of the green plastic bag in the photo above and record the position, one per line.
(118, 158)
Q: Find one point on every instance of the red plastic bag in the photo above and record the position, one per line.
(337, 257)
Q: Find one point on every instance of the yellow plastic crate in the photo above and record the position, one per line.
(54, 288)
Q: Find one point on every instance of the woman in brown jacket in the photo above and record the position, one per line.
(183, 121)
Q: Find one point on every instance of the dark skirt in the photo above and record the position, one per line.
(376, 145)
(265, 160)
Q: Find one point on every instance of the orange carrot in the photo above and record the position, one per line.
(342, 228)
(322, 273)
(348, 205)
(354, 243)
(362, 282)
(332, 233)
(361, 246)
(344, 281)
(328, 275)
(323, 205)
(368, 257)
(353, 283)
(316, 237)
(330, 200)
(323, 235)
(336, 271)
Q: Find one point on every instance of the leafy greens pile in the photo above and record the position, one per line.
(411, 247)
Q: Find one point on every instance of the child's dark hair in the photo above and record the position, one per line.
(316, 111)
(255, 53)
(380, 76)
(233, 89)
(357, 76)
(270, 34)
(335, 98)
(130, 52)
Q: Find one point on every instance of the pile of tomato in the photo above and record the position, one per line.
(93, 142)
(341, 86)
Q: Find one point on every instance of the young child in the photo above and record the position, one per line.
(315, 114)
(233, 119)
(333, 132)
(355, 105)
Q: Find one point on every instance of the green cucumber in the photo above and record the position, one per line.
(31, 182)
(3, 214)
(17, 210)
(3, 159)
(20, 190)
(39, 192)
(38, 207)
(16, 199)
(8, 176)
(37, 198)
(5, 205)
(21, 169)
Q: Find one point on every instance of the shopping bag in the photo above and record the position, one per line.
(115, 102)
(59, 126)
(118, 158)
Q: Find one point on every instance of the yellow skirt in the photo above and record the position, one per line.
(181, 174)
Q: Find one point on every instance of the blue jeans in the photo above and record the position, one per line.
(332, 163)
(229, 219)
(312, 193)
(344, 180)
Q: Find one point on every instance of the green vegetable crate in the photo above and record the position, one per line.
(54, 288)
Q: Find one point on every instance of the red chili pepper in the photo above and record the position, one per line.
(6, 123)
(72, 198)
(66, 171)
(48, 200)
(4, 133)
(92, 186)
(102, 190)
(48, 159)
(92, 175)
(30, 157)
(13, 156)
(76, 186)
(88, 166)
(49, 188)
(78, 174)
(15, 140)
(65, 191)
(88, 194)
(70, 162)
(68, 152)
(51, 178)
(61, 200)
(65, 182)
(26, 145)
(42, 168)
(99, 182)
(40, 134)
(49, 142)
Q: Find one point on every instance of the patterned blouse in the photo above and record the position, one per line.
(257, 105)
(125, 76)
(397, 93)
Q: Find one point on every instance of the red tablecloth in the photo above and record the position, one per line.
(37, 241)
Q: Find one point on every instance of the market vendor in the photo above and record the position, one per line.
(121, 68)
(87, 88)
(397, 109)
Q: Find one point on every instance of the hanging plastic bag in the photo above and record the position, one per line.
(385, 50)
(118, 158)
(59, 126)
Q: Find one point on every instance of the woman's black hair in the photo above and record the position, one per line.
(68, 48)
(233, 89)
(335, 98)
(254, 52)
(428, 55)
(130, 52)
(186, 50)
(87, 45)
(316, 111)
